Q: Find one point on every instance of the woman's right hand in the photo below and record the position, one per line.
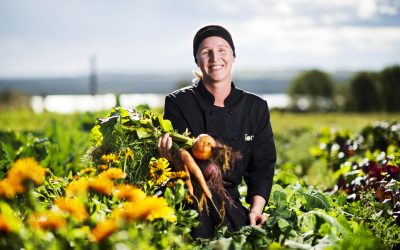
(164, 146)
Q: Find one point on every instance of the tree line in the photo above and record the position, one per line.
(365, 91)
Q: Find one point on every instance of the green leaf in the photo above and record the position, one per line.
(327, 218)
(342, 171)
(96, 137)
(8, 214)
(282, 223)
(316, 200)
(279, 197)
(143, 133)
(165, 125)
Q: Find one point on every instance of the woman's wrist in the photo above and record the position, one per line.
(255, 212)
(257, 205)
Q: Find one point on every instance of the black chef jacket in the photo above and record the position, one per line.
(243, 124)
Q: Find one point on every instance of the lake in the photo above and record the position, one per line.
(81, 103)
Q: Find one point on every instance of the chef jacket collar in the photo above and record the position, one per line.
(210, 98)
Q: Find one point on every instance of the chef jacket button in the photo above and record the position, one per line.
(231, 112)
(211, 112)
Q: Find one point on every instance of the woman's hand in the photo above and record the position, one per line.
(256, 215)
(257, 219)
(164, 146)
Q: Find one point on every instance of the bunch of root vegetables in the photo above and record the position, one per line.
(204, 167)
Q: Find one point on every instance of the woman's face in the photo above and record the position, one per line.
(215, 59)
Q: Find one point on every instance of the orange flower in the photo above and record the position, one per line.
(103, 230)
(102, 167)
(132, 211)
(23, 170)
(48, 220)
(74, 207)
(102, 186)
(7, 190)
(77, 186)
(112, 174)
(129, 193)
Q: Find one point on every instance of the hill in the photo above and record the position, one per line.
(257, 82)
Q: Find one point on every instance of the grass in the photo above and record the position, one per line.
(353, 122)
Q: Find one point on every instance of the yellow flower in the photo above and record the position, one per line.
(103, 229)
(112, 174)
(5, 226)
(150, 208)
(110, 158)
(88, 170)
(132, 211)
(74, 207)
(129, 193)
(8, 190)
(128, 153)
(162, 210)
(102, 186)
(189, 199)
(23, 170)
(48, 220)
(178, 174)
(159, 170)
(77, 186)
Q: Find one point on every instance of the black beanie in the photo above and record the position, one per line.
(211, 30)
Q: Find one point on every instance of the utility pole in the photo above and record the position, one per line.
(93, 76)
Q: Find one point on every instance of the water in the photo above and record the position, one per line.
(67, 104)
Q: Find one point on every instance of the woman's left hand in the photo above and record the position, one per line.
(257, 219)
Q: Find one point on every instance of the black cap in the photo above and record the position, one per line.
(211, 30)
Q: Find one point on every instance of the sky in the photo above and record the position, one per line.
(49, 38)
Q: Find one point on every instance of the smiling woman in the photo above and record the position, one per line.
(214, 106)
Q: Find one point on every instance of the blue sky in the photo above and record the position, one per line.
(57, 37)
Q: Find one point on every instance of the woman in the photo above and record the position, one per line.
(239, 119)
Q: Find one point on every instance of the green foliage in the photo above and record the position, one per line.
(131, 130)
(301, 216)
(389, 83)
(314, 85)
(363, 94)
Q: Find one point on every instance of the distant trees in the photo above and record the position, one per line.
(363, 94)
(389, 86)
(312, 90)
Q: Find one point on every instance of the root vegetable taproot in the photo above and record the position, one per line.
(195, 170)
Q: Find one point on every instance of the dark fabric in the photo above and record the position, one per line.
(236, 217)
(243, 124)
(211, 30)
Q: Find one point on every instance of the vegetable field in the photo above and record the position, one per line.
(96, 181)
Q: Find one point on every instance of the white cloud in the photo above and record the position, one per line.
(129, 36)
(366, 9)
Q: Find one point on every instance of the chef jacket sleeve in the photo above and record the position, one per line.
(260, 172)
(173, 113)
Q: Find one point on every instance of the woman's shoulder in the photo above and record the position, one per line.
(182, 92)
(252, 97)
